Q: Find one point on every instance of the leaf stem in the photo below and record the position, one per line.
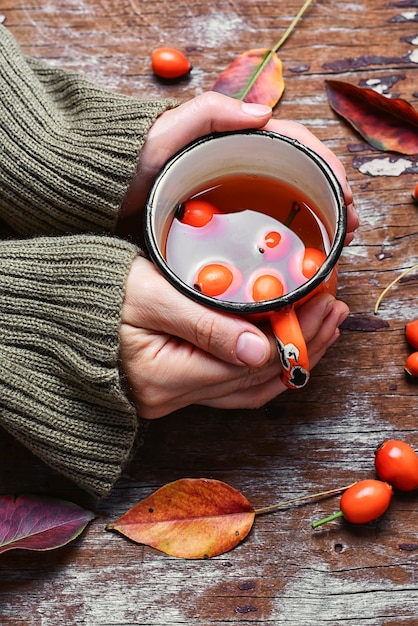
(279, 505)
(292, 26)
(270, 53)
(384, 292)
(327, 519)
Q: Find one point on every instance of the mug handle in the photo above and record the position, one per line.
(291, 346)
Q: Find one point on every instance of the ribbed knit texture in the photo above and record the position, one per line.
(60, 390)
(69, 150)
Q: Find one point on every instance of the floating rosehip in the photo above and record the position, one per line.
(196, 212)
(312, 261)
(213, 279)
(267, 287)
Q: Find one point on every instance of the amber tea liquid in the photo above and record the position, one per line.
(249, 207)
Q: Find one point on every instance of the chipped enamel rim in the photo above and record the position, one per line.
(256, 152)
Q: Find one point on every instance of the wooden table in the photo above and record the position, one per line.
(321, 437)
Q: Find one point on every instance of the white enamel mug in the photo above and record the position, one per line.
(259, 153)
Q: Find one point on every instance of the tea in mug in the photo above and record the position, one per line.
(246, 238)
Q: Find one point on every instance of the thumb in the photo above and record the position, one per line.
(153, 304)
(207, 113)
(174, 129)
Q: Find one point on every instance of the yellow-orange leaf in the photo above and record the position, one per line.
(254, 76)
(192, 518)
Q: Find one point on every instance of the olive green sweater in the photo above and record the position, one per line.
(69, 151)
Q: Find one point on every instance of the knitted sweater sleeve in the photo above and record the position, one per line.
(69, 147)
(60, 389)
(69, 151)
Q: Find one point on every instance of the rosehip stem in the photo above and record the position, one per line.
(327, 519)
(279, 505)
(292, 214)
(292, 25)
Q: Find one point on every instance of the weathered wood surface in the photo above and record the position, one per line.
(321, 437)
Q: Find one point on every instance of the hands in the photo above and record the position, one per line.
(175, 352)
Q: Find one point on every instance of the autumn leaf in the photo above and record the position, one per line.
(189, 518)
(39, 522)
(256, 75)
(243, 79)
(196, 518)
(388, 124)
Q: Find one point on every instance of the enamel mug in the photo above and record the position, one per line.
(256, 154)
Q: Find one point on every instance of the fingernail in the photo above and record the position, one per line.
(333, 338)
(255, 110)
(251, 349)
(343, 317)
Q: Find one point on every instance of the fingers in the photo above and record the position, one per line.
(207, 113)
(176, 378)
(320, 318)
(191, 376)
(302, 134)
(153, 303)
(175, 352)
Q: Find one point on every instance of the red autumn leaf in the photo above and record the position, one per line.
(189, 518)
(388, 124)
(254, 76)
(39, 522)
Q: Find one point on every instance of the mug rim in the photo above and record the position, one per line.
(264, 306)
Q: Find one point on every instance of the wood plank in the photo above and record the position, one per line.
(318, 438)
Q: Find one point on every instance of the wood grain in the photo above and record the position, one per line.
(321, 437)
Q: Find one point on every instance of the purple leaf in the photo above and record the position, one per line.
(39, 522)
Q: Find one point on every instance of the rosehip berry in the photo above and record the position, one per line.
(169, 63)
(411, 333)
(213, 279)
(411, 365)
(196, 212)
(312, 261)
(267, 287)
(366, 501)
(363, 502)
(397, 463)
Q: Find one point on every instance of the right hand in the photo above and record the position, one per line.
(175, 352)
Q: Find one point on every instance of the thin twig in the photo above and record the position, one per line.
(279, 505)
(384, 292)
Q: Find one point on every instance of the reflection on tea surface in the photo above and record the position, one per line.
(246, 238)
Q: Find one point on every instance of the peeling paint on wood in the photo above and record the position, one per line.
(351, 64)
(316, 438)
(385, 166)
